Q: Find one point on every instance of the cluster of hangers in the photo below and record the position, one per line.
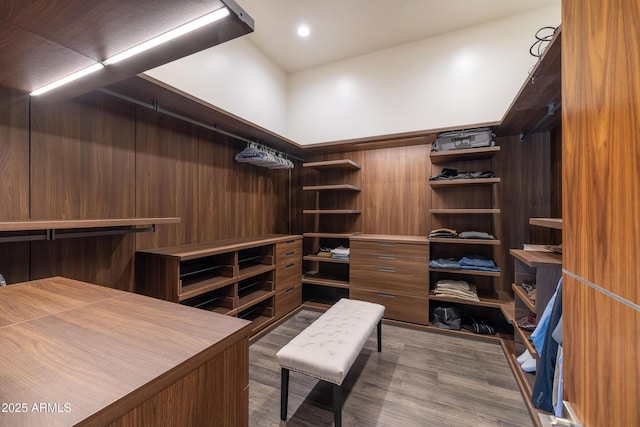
(259, 155)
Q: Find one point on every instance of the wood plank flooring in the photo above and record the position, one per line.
(420, 379)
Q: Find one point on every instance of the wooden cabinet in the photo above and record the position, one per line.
(333, 217)
(392, 271)
(246, 277)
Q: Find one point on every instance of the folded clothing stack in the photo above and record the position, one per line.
(457, 289)
(465, 263)
(324, 252)
(443, 233)
(450, 173)
(340, 253)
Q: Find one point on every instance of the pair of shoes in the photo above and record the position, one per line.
(528, 286)
(527, 323)
(527, 362)
(478, 326)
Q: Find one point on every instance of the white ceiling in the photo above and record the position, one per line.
(346, 28)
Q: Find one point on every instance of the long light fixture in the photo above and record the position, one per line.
(71, 77)
(170, 35)
(163, 38)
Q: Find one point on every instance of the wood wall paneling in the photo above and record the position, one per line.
(14, 179)
(166, 178)
(601, 207)
(395, 190)
(82, 166)
(602, 367)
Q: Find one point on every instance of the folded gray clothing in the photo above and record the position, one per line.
(475, 235)
(453, 284)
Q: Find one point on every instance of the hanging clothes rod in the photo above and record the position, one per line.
(156, 107)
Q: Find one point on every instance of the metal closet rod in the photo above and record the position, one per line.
(156, 107)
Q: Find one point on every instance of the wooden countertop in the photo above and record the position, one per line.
(83, 352)
(196, 250)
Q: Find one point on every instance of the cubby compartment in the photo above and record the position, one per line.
(321, 295)
(259, 314)
(254, 289)
(221, 300)
(253, 261)
(201, 275)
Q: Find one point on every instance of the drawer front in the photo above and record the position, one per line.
(288, 300)
(389, 249)
(289, 274)
(408, 281)
(397, 307)
(288, 251)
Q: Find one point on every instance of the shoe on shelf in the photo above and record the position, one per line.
(529, 365)
(527, 323)
(524, 357)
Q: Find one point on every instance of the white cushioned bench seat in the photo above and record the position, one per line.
(328, 347)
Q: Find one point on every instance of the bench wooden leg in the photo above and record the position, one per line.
(284, 394)
(380, 336)
(337, 405)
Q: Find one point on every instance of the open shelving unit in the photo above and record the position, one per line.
(335, 189)
(251, 278)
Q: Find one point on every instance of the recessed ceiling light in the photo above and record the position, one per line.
(303, 30)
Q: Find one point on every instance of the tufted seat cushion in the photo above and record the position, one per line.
(327, 348)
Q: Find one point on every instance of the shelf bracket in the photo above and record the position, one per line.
(11, 238)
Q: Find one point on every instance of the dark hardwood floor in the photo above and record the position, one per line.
(420, 379)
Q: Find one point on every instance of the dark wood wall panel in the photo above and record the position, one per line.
(602, 367)
(601, 207)
(82, 159)
(166, 180)
(14, 179)
(395, 190)
(82, 166)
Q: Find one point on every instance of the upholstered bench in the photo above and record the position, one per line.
(327, 348)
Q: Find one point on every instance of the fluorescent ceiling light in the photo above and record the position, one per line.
(163, 38)
(78, 74)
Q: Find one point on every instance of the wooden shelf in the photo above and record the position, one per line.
(332, 211)
(63, 228)
(463, 182)
(464, 211)
(253, 298)
(336, 187)
(522, 294)
(464, 241)
(467, 272)
(204, 286)
(325, 259)
(439, 157)
(254, 270)
(555, 223)
(524, 336)
(537, 258)
(333, 164)
(332, 235)
(313, 278)
(495, 301)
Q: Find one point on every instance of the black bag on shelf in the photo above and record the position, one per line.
(447, 318)
(460, 139)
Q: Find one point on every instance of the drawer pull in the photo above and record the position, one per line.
(291, 253)
(384, 256)
(387, 269)
(386, 243)
(291, 265)
(288, 242)
(289, 290)
(384, 294)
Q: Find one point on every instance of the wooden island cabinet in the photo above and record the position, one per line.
(75, 353)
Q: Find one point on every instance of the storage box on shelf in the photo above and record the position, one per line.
(544, 269)
(333, 217)
(258, 278)
(468, 204)
(392, 271)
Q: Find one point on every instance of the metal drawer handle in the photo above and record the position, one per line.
(288, 242)
(288, 290)
(386, 244)
(384, 294)
(290, 253)
(387, 269)
(293, 264)
(384, 256)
